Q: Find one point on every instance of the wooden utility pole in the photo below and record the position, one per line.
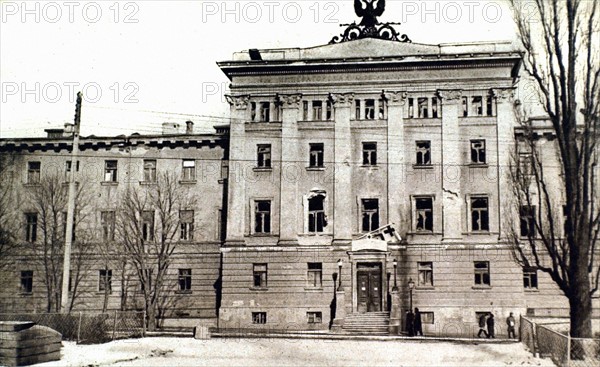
(64, 299)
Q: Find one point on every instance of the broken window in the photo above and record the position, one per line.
(476, 106)
(424, 214)
(329, 111)
(252, 111)
(489, 106)
(411, 108)
(265, 111)
(27, 281)
(434, 108)
(110, 171)
(423, 153)
(185, 279)
(370, 109)
(186, 225)
(482, 273)
(316, 213)
(104, 280)
(107, 219)
(259, 317)
(263, 159)
(423, 107)
(259, 274)
(262, 216)
(316, 155)
(425, 274)
(33, 172)
(381, 114)
(68, 165)
(478, 151)
(369, 154)
(189, 170)
(527, 219)
(150, 170)
(479, 214)
(317, 110)
(525, 164)
(148, 225)
(370, 214)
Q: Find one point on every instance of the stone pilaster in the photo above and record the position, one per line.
(396, 195)
(395, 316)
(451, 166)
(505, 123)
(290, 170)
(236, 186)
(342, 158)
(340, 311)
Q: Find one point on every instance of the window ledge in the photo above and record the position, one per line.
(262, 169)
(262, 235)
(422, 166)
(420, 233)
(479, 233)
(259, 289)
(478, 165)
(531, 290)
(315, 168)
(183, 292)
(26, 294)
(148, 183)
(187, 182)
(481, 287)
(425, 288)
(313, 289)
(370, 166)
(109, 183)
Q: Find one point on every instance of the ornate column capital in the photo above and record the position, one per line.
(289, 100)
(238, 102)
(503, 94)
(341, 99)
(397, 98)
(449, 95)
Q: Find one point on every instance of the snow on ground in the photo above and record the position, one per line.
(293, 352)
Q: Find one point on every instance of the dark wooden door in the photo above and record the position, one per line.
(369, 287)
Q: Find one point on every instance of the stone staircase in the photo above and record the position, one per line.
(371, 323)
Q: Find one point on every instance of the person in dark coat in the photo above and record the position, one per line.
(418, 323)
(510, 323)
(410, 323)
(490, 326)
(482, 326)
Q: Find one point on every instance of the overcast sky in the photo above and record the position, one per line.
(141, 63)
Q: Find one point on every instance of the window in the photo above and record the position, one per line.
(27, 281)
(305, 110)
(31, 227)
(478, 151)
(259, 273)
(381, 114)
(564, 218)
(423, 108)
(425, 274)
(149, 170)
(189, 169)
(277, 112)
(265, 111)
(316, 213)
(252, 111)
(68, 165)
(110, 171)
(370, 214)
(423, 153)
(479, 214)
(259, 317)
(489, 106)
(530, 279)
(104, 280)
(465, 107)
(316, 155)
(186, 225)
(427, 317)
(434, 108)
(148, 225)
(329, 111)
(411, 108)
(185, 279)
(314, 317)
(476, 106)
(315, 275)
(357, 109)
(370, 109)
(64, 225)
(317, 110)
(262, 216)
(424, 214)
(34, 172)
(107, 219)
(525, 164)
(527, 219)
(482, 273)
(369, 154)
(263, 156)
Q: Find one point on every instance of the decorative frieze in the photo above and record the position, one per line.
(238, 102)
(341, 99)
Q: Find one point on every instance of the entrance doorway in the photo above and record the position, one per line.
(369, 292)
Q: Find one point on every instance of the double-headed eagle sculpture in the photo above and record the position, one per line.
(369, 12)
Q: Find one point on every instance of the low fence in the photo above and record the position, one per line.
(552, 340)
(88, 327)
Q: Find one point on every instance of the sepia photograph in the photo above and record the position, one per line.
(300, 183)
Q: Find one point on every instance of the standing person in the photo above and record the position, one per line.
(490, 326)
(410, 323)
(418, 323)
(482, 326)
(510, 323)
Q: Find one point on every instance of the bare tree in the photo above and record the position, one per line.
(148, 227)
(8, 221)
(49, 200)
(562, 43)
